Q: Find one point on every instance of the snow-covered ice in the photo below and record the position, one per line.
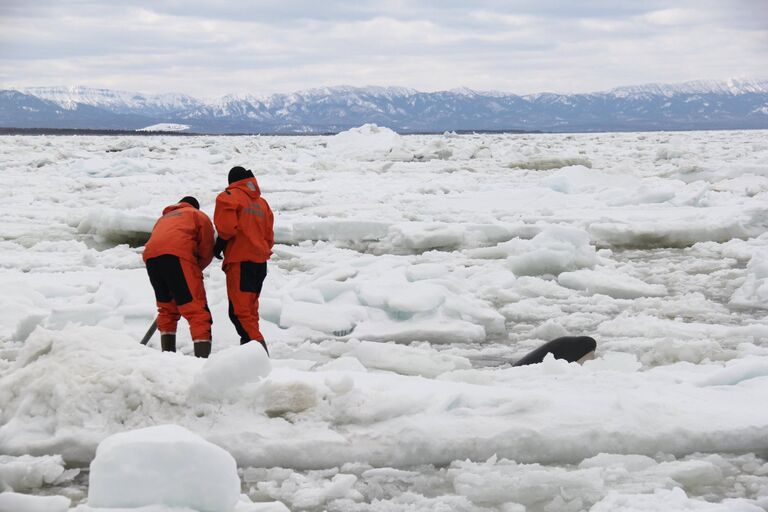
(165, 127)
(226, 371)
(167, 465)
(409, 273)
(27, 472)
(16, 502)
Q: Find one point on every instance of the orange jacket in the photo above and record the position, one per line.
(244, 218)
(183, 231)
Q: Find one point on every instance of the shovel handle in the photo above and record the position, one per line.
(150, 332)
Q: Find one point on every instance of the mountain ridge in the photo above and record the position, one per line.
(701, 104)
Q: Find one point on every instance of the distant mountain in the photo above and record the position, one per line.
(20, 110)
(729, 104)
(119, 102)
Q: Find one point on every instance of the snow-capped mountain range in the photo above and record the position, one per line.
(736, 103)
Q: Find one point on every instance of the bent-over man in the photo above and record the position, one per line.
(180, 247)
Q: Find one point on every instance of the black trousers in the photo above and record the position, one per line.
(244, 282)
(179, 291)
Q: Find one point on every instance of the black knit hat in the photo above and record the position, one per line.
(191, 200)
(239, 173)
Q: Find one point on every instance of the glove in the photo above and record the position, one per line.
(219, 247)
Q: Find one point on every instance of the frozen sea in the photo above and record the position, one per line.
(409, 273)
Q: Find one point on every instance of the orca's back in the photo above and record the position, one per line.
(570, 348)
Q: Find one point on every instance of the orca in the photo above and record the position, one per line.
(571, 348)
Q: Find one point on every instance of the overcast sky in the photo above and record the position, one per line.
(211, 48)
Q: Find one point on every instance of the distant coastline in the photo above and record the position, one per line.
(83, 131)
(136, 133)
(709, 105)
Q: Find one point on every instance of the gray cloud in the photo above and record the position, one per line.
(238, 46)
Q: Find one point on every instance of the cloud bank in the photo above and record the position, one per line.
(269, 46)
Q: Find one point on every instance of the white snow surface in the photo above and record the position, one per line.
(26, 472)
(733, 86)
(226, 371)
(15, 502)
(368, 142)
(165, 127)
(754, 291)
(166, 464)
(409, 272)
(69, 97)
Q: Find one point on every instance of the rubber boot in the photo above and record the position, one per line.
(168, 341)
(202, 349)
(263, 343)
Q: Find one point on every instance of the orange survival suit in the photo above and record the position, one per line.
(180, 247)
(244, 223)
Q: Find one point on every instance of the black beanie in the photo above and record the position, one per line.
(191, 200)
(239, 173)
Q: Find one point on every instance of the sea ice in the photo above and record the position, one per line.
(163, 465)
(754, 292)
(410, 272)
(226, 371)
(614, 284)
(664, 500)
(26, 472)
(15, 502)
(369, 142)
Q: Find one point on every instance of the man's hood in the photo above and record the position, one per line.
(177, 206)
(248, 185)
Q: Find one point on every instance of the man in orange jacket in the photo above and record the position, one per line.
(244, 223)
(180, 247)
